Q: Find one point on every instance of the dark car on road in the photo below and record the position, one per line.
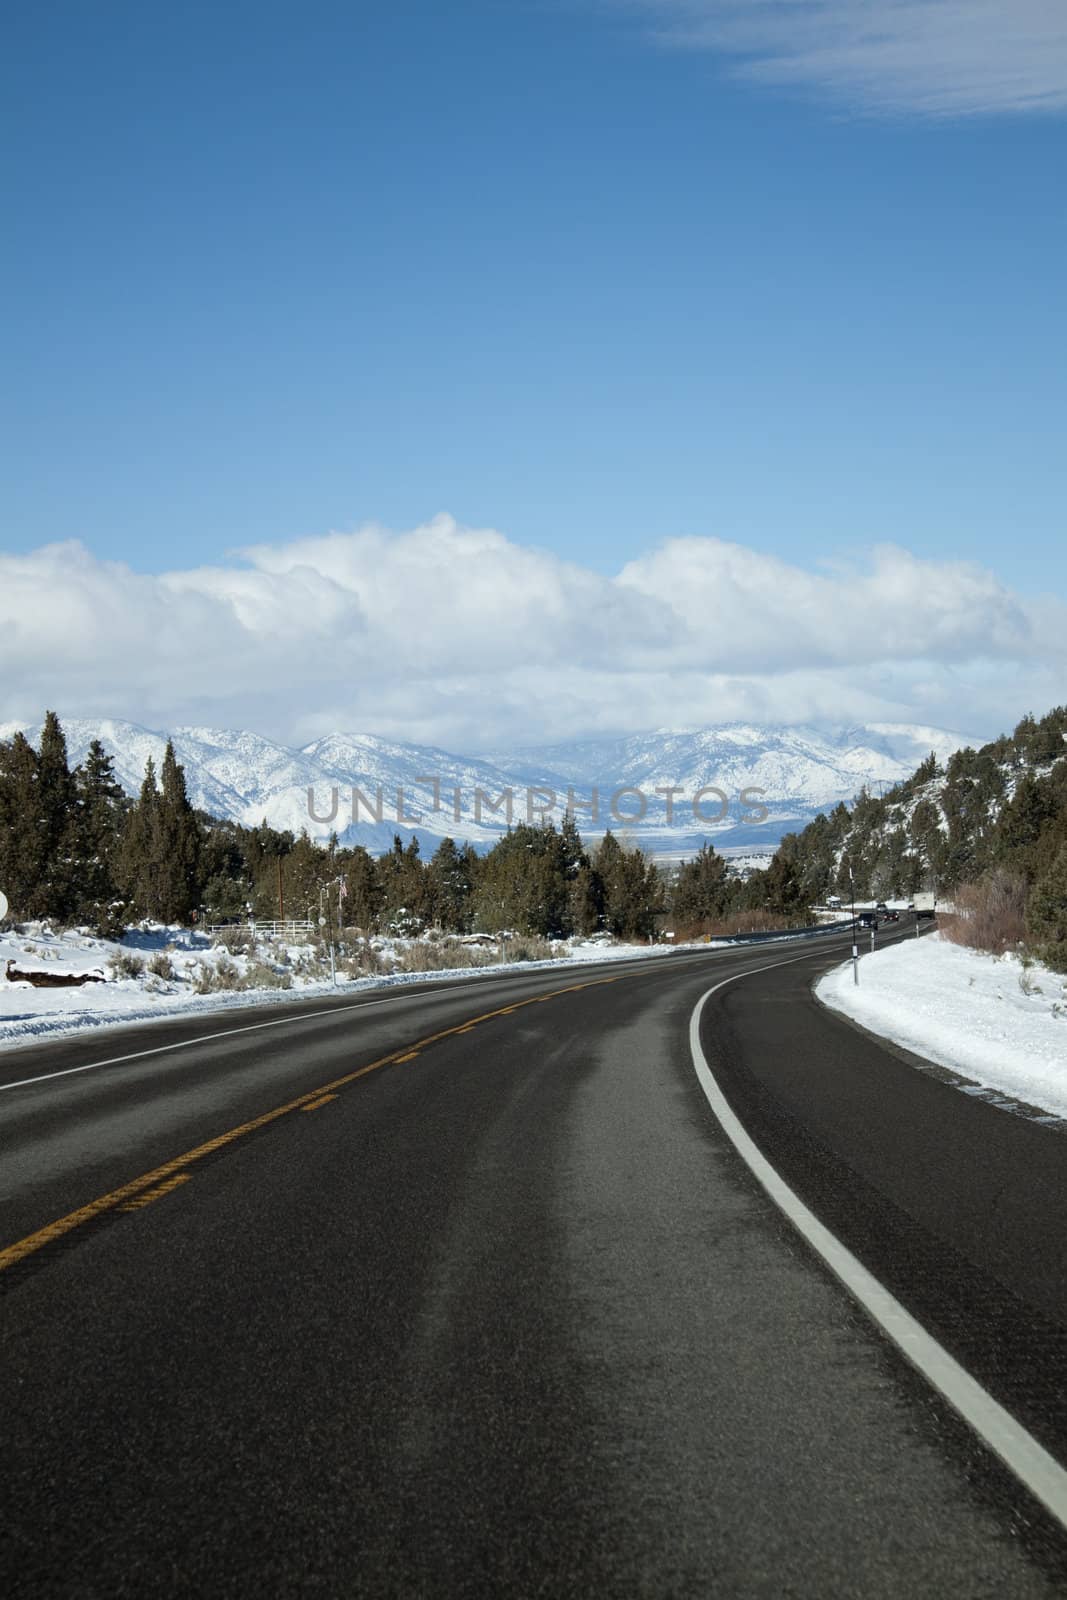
(868, 919)
(890, 916)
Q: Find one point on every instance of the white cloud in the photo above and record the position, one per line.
(935, 57)
(459, 637)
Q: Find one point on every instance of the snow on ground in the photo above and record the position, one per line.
(189, 964)
(988, 1018)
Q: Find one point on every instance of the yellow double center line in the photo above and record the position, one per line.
(134, 1195)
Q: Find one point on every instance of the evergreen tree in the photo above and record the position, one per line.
(572, 851)
(137, 858)
(363, 890)
(20, 859)
(306, 872)
(177, 845)
(226, 856)
(1046, 915)
(450, 882)
(55, 824)
(782, 891)
(403, 889)
(633, 894)
(100, 807)
(1022, 822)
(522, 883)
(702, 890)
(585, 902)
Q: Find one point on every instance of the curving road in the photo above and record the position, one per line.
(464, 1291)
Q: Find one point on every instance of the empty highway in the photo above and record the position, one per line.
(466, 1290)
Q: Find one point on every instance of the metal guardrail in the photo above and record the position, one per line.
(785, 933)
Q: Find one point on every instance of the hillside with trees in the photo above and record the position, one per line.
(989, 825)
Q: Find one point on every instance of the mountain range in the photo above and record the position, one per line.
(799, 772)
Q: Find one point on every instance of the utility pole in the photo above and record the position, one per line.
(281, 896)
(855, 936)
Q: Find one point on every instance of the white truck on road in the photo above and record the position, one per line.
(925, 903)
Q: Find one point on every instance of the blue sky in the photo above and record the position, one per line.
(280, 272)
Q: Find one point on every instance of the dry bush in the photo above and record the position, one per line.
(161, 966)
(990, 914)
(218, 978)
(529, 947)
(442, 955)
(359, 958)
(309, 964)
(125, 964)
(236, 940)
(258, 975)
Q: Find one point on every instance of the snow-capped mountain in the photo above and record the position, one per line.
(409, 788)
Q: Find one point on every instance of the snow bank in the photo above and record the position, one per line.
(986, 1017)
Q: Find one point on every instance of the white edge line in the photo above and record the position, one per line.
(225, 1033)
(280, 1022)
(1020, 1452)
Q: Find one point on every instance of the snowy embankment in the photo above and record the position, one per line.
(989, 1018)
(159, 972)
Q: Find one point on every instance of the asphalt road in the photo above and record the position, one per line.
(463, 1291)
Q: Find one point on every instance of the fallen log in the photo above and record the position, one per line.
(51, 980)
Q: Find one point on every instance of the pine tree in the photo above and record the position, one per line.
(702, 889)
(401, 873)
(450, 878)
(306, 869)
(782, 891)
(20, 860)
(177, 846)
(226, 858)
(137, 859)
(1021, 823)
(522, 884)
(100, 808)
(585, 902)
(364, 898)
(55, 824)
(632, 891)
(1046, 914)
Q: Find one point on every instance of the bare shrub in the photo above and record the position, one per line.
(219, 977)
(529, 947)
(258, 975)
(442, 955)
(237, 940)
(161, 966)
(310, 964)
(370, 960)
(1027, 982)
(990, 915)
(126, 964)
